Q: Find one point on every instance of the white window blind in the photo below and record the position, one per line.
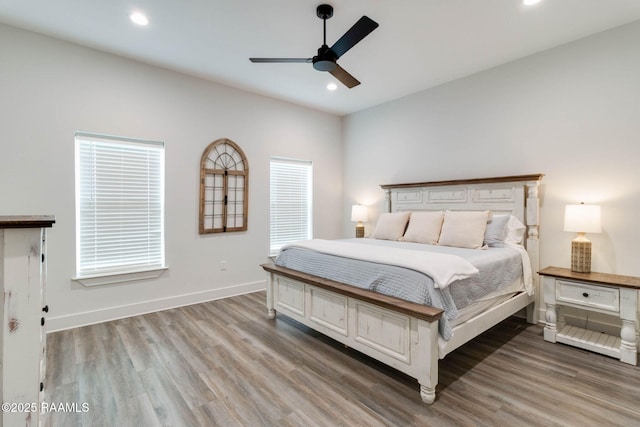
(290, 206)
(119, 205)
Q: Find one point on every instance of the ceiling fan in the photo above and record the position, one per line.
(327, 56)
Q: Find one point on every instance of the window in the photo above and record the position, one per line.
(119, 205)
(224, 188)
(290, 207)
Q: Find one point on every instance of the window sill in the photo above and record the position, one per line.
(108, 279)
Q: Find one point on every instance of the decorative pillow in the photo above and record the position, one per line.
(496, 230)
(515, 231)
(424, 227)
(391, 226)
(463, 229)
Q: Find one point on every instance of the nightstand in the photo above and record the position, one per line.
(598, 292)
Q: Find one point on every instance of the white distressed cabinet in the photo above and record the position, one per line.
(610, 294)
(23, 272)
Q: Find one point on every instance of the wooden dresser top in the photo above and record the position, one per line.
(26, 221)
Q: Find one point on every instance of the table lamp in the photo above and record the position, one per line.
(359, 214)
(582, 219)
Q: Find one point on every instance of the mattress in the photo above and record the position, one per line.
(497, 268)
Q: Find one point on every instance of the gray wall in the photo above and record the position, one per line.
(571, 113)
(52, 88)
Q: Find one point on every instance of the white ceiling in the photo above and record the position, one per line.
(419, 43)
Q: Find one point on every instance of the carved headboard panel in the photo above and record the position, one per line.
(517, 195)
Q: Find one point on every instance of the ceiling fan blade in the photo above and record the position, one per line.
(360, 30)
(280, 60)
(345, 78)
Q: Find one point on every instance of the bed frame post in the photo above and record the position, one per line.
(387, 199)
(427, 345)
(271, 311)
(533, 245)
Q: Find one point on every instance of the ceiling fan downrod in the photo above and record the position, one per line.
(325, 60)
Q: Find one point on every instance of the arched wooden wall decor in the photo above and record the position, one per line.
(224, 188)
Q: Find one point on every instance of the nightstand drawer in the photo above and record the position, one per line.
(593, 296)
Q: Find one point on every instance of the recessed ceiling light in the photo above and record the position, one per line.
(332, 86)
(530, 2)
(139, 18)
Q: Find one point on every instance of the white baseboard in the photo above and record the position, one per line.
(76, 320)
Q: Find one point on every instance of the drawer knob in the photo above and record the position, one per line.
(586, 295)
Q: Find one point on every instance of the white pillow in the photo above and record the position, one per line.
(391, 226)
(496, 230)
(464, 229)
(424, 227)
(515, 231)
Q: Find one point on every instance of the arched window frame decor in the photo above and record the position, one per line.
(224, 188)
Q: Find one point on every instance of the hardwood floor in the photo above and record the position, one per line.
(223, 363)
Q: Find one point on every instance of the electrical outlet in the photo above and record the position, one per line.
(223, 265)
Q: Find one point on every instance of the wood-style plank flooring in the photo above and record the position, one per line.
(223, 363)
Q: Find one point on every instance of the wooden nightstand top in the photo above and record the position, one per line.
(593, 277)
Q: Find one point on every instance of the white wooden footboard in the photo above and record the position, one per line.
(397, 333)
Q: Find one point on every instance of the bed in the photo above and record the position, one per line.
(404, 334)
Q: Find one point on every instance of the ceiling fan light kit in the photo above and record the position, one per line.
(327, 57)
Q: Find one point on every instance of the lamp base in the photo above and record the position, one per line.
(581, 256)
(360, 231)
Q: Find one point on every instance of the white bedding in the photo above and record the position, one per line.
(444, 269)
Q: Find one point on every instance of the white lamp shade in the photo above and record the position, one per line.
(359, 213)
(582, 218)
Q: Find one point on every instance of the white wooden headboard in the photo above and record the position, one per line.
(517, 195)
